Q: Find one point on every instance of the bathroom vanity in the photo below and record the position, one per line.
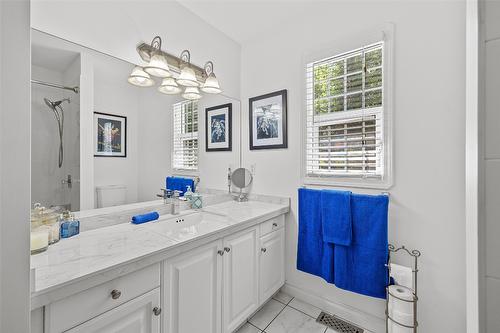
(202, 271)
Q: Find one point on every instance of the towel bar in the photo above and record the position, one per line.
(383, 193)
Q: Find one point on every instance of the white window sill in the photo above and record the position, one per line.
(367, 183)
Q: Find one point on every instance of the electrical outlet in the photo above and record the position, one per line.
(252, 169)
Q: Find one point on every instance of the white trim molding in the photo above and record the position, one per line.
(472, 145)
(381, 33)
(348, 313)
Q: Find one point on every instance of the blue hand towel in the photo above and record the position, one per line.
(337, 224)
(179, 184)
(360, 267)
(313, 255)
(139, 219)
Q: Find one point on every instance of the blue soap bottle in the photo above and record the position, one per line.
(69, 226)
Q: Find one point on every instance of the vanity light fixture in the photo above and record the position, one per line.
(169, 86)
(191, 93)
(140, 78)
(158, 65)
(187, 78)
(179, 75)
(211, 85)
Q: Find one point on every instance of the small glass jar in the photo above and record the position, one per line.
(39, 239)
(196, 201)
(69, 226)
(41, 216)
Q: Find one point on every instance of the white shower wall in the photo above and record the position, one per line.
(47, 187)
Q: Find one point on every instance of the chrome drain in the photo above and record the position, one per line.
(337, 324)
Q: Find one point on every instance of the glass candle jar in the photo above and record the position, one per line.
(39, 239)
(41, 216)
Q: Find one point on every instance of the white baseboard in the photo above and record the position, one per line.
(365, 320)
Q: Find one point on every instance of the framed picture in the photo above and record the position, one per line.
(268, 121)
(218, 132)
(110, 133)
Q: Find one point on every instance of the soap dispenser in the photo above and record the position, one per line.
(188, 194)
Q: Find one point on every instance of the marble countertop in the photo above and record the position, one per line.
(94, 252)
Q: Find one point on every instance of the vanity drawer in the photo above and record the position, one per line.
(76, 309)
(272, 224)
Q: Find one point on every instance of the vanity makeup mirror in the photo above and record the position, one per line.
(241, 180)
(99, 141)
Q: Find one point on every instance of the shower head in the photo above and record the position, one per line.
(53, 105)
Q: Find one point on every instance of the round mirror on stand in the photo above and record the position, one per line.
(241, 179)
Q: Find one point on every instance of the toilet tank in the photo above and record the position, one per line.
(111, 195)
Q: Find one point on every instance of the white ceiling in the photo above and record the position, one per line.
(49, 58)
(244, 20)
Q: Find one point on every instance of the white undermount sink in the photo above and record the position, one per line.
(185, 227)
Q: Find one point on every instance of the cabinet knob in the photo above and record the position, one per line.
(263, 250)
(115, 294)
(227, 249)
(220, 252)
(275, 224)
(157, 311)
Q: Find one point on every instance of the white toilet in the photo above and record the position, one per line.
(111, 195)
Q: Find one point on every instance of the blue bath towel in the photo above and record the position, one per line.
(337, 224)
(139, 219)
(179, 184)
(313, 255)
(360, 267)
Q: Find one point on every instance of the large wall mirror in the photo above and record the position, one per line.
(109, 135)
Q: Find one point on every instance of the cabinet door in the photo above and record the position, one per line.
(272, 264)
(240, 278)
(193, 282)
(136, 316)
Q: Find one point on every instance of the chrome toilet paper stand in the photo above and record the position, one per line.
(415, 254)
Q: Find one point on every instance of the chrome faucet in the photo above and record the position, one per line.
(167, 194)
(175, 203)
(171, 198)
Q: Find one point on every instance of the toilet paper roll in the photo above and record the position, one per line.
(399, 309)
(402, 275)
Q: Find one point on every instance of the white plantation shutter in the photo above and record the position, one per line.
(185, 152)
(345, 112)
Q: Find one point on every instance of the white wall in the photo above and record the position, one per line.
(14, 166)
(214, 165)
(491, 162)
(114, 95)
(117, 27)
(427, 199)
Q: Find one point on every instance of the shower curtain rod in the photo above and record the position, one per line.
(76, 90)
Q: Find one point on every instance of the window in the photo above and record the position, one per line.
(345, 115)
(185, 152)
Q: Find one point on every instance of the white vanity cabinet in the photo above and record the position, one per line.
(192, 291)
(240, 278)
(216, 287)
(272, 263)
(212, 287)
(130, 300)
(140, 315)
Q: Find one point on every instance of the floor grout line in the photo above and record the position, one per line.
(276, 315)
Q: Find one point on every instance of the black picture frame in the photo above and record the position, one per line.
(98, 115)
(284, 121)
(229, 127)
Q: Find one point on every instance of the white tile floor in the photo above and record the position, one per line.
(285, 314)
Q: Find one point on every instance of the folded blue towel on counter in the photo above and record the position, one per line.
(336, 218)
(179, 184)
(314, 256)
(360, 267)
(138, 219)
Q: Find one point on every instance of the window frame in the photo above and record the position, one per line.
(184, 137)
(383, 33)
